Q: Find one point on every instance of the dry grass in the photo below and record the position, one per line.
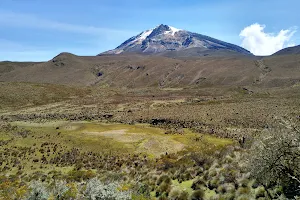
(138, 71)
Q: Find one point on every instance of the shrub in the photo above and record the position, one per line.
(72, 191)
(243, 197)
(275, 159)
(278, 191)
(38, 191)
(178, 194)
(79, 175)
(164, 178)
(174, 194)
(142, 189)
(243, 190)
(230, 188)
(244, 182)
(212, 173)
(139, 197)
(183, 195)
(163, 197)
(221, 189)
(198, 183)
(213, 183)
(97, 190)
(60, 189)
(164, 187)
(197, 195)
(12, 189)
(228, 196)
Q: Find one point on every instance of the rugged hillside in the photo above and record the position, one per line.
(196, 52)
(281, 70)
(164, 38)
(288, 51)
(65, 68)
(7, 66)
(136, 70)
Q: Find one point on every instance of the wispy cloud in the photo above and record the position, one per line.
(13, 19)
(17, 51)
(92, 39)
(6, 45)
(33, 55)
(256, 40)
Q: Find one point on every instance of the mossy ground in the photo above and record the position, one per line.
(55, 139)
(118, 138)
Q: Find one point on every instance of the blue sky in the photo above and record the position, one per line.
(38, 30)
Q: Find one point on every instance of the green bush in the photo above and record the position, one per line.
(183, 195)
(198, 183)
(230, 188)
(197, 195)
(244, 182)
(164, 196)
(229, 196)
(260, 192)
(243, 190)
(243, 197)
(212, 184)
(278, 191)
(164, 188)
(221, 189)
(164, 178)
(174, 194)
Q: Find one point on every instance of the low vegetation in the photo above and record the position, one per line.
(144, 144)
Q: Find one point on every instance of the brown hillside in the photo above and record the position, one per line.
(133, 70)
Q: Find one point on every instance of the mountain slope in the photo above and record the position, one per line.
(165, 38)
(137, 71)
(288, 51)
(65, 68)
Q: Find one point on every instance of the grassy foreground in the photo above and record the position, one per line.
(78, 151)
(60, 142)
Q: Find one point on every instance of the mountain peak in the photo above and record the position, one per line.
(164, 29)
(164, 38)
(160, 29)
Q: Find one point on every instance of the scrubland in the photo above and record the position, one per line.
(63, 142)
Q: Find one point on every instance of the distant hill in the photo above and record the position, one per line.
(139, 70)
(288, 51)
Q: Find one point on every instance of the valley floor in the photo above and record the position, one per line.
(171, 143)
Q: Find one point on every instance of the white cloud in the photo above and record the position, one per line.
(261, 43)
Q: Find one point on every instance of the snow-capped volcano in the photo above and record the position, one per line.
(165, 30)
(164, 38)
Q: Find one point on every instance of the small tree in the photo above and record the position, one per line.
(275, 159)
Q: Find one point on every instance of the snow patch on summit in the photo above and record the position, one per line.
(145, 34)
(173, 30)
